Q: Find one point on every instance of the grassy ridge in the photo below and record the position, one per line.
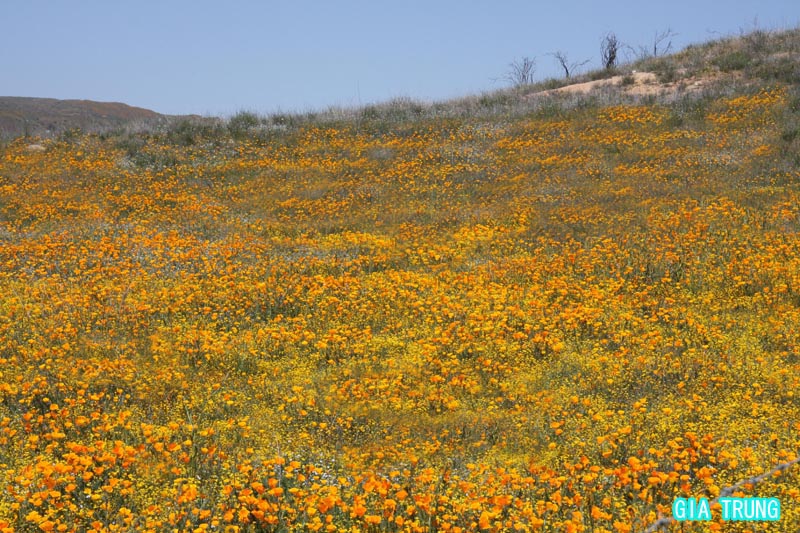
(556, 319)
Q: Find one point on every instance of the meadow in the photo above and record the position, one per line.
(557, 320)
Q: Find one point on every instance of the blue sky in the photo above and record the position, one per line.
(207, 58)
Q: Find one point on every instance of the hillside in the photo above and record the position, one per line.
(519, 311)
(48, 116)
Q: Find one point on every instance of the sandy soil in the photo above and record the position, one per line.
(644, 84)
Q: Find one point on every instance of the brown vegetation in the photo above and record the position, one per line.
(48, 116)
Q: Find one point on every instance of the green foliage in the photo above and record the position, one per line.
(601, 74)
(130, 144)
(733, 61)
(784, 69)
(243, 124)
(664, 69)
(190, 131)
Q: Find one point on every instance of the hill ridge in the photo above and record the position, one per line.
(26, 115)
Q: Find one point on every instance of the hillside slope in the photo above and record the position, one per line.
(45, 116)
(493, 315)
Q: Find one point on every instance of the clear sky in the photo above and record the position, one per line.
(196, 56)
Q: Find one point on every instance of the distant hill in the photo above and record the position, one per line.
(49, 116)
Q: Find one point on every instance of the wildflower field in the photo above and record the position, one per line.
(558, 320)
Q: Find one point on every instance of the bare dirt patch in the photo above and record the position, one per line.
(637, 84)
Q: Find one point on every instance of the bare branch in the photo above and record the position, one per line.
(564, 62)
(609, 48)
(660, 47)
(521, 71)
